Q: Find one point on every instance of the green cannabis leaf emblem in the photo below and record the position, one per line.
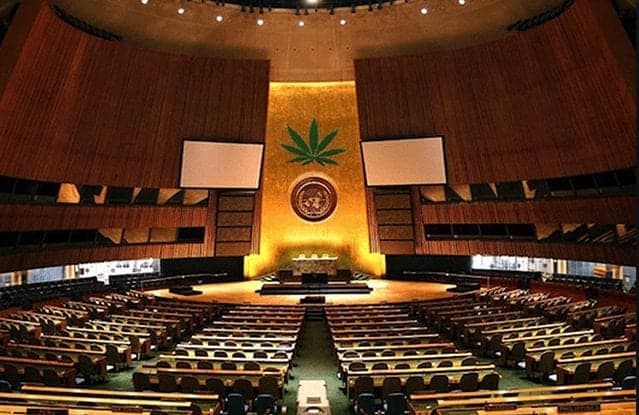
(314, 150)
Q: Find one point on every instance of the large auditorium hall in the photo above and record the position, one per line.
(318, 207)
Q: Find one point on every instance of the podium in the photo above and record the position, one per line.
(312, 398)
(315, 265)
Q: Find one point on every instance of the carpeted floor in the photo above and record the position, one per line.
(315, 360)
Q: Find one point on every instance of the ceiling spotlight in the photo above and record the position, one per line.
(342, 22)
(144, 1)
(301, 23)
(312, 1)
(461, 2)
(219, 18)
(424, 10)
(260, 22)
(181, 10)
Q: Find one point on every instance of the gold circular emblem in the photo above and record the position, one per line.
(314, 199)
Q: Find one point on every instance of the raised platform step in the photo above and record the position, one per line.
(313, 289)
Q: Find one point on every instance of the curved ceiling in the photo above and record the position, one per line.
(321, 50)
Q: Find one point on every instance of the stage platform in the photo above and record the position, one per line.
(383, 291)
(298, 288)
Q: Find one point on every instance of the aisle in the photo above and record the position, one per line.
(315, 360)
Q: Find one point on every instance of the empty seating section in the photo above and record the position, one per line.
(421, 355)
(386, 353)
(247, 351)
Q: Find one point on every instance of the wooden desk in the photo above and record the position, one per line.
(65, 370)
(528, 399)
(98, 358)
(565, 368)
(381, 331)
(254, 338)
(421, 358)
(215, 347)
(345, 346)
(493, 393)
(121, 394)
(413, 361)
(391, 338)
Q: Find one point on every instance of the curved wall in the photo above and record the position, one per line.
(83, 110)
(550, 102)
(78, 109)
(553, 101)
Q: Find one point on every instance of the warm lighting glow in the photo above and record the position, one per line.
(342, 22)
(462, 2)
(424, 10)
(144, 1)
(301, 23)
(283, 235)
(260, 22)
(181, 10)
(219, 18)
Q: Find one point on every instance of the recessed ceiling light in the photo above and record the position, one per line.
(144, 1)
(342, 22)
(301, 23)
(462, 2)
(219, 18)
(260, 22)
(181, 10)
(424, 10)
(312, 1)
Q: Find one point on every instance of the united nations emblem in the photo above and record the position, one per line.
(314, 199)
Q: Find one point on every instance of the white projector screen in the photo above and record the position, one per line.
(218, 165)
(404, 161)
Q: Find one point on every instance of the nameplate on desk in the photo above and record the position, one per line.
(579, 407)
(47, 411)
(128, 409)
(500, 407)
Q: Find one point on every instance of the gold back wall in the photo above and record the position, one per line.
(283, 234)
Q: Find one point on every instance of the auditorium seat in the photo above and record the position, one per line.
(364, 384)
(216, 386)
(391, 385)
(395, 404)
(469, 382)
(624, 370)
(414, 384)
(243, 387)
(582, 373)
(189, 384)
(236, 404)
(365, 404)
(265, 404)
(167, 383)
(490, 382)
(439, 383)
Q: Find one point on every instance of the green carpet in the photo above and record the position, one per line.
(315, 360)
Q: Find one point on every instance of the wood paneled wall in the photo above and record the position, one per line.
(80, 109)
(581, 252)
(35, 218)
(235, 223)
(552, 101)
(27, 260)
(611, 210)
(557, 100)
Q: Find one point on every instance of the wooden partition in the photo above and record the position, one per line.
(78, 109)
(554, 101)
